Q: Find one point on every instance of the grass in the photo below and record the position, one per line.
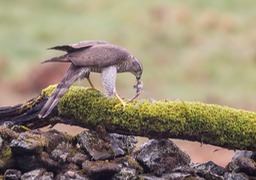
(191, 50)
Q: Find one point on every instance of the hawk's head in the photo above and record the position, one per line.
(136, 67)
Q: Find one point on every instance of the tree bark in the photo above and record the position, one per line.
(206, 123)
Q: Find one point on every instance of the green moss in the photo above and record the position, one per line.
(48, 91)
(134, 164)
(5, 156)
(208, 123)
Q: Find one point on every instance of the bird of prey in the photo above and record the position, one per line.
(93, 56)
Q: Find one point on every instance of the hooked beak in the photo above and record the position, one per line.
(138, 75)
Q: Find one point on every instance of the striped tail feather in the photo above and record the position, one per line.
(62, 58)
(80, 45)
(70, 77)
(66, 48)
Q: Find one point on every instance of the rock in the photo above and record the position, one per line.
(35, 141)
(7, 124)
(129, 162)
(150, 177)
(7, 134)
(12, 174)
(235, 176)
(21, 162)
(126, 174)
(242, 164)
(100, 155)
(28, 142)
(208, 167)
(47, 162)
(100, 169)
(97, 147)
(71, 175)
(246, 154)
(79, 158)
(182, 172)
(209, 170)
(161, 156)
(174, 175)
(66, 153)
(106, 147)
(123, 144)
(37, 174)
(55, 138)
(1, 165)
(180, 175)
(1, 142)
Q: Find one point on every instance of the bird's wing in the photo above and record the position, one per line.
(98, 56)
(72, 48)
(79, 45)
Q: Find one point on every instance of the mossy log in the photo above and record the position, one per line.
(206, 123)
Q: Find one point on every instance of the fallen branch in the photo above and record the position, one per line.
(195, 121)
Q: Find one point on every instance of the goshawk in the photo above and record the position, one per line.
(93, 56)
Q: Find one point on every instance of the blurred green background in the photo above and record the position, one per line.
(192, 50)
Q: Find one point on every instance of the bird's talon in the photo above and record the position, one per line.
(121, 104)
(121, 100)
(124, 105)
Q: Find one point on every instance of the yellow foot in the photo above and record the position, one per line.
(121, 100)
(123, 104)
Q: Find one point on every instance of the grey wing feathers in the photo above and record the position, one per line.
(79, 45)
(91, 54)
(99, 56)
